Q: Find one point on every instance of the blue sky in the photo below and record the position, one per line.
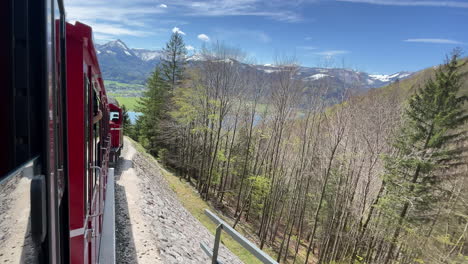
(376, 36)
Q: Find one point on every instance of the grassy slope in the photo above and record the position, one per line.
(130, 103)
(120, 85)
(196, 206)
(126, 93)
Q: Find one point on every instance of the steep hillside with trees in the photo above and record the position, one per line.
(379, 178)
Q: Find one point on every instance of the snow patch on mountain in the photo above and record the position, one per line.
(380, 77)
(389, 78)
(147, 55)
(317, 76)
(196, 57)
(118, 43)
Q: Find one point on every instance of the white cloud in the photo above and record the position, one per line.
(163, 6)
(235, 34)
(203, 37)
(276, 9)
(177, 30)
(435, 41)
(118, 30)
(190, 47)
(119, 11)
(331, 53)
(307, 47)
(102, 38)
(429, 3)
(123, 17)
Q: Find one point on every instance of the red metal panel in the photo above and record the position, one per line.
(77, 245)
(75, 104)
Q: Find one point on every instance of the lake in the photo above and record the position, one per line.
(133, 116)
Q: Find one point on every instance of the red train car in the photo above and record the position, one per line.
(89, 144)
(116, 129)
(56, 187)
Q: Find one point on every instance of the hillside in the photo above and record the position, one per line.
(407, 86)
(319, 184)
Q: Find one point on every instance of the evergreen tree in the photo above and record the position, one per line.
(413, 177)
(126, 121)
(174, 60)
(134, 133)
(153, 105)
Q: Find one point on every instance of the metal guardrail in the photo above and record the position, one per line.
(244, 242)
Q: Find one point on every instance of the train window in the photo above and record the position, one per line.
(96, 136)
(6, 100)
(114, 115)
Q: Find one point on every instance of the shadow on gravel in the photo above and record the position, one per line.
(125, 245)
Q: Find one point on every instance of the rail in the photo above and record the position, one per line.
(244, 242)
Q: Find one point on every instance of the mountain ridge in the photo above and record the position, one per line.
(130, 65)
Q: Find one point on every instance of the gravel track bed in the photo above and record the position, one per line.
(152, 226)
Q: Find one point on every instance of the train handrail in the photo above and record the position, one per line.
(244, 242)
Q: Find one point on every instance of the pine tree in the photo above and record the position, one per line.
(174, 59)
(423, 148)
(126, 121)
(153, 105)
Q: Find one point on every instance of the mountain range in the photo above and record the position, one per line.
(133, 66)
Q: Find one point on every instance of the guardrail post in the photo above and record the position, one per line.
(244, 242)
(214, 259)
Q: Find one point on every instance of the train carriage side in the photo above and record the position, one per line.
(88, 143)
(54, 176)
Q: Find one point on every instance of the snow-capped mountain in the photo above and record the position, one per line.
(119, 48)
(339, 76)
(116, 47)
(147, 55)
(120, 63)
(390, 78)
(127, 65)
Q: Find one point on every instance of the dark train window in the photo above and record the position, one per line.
(21, 128)
(114, 116)
(96, 140)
